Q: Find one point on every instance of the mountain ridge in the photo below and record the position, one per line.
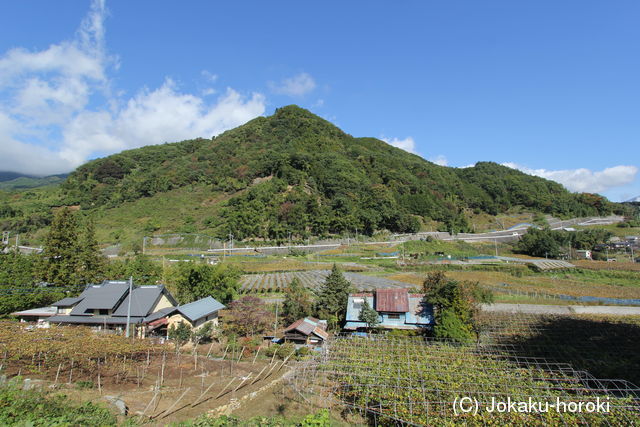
(320, 180)
(296, 174)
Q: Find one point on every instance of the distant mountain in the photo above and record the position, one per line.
(295, 173)
(633, 200)
(17, 181)
(8, 176)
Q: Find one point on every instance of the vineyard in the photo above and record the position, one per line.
(71, 354)
(157, 382)
(418, 381)
(278, 282)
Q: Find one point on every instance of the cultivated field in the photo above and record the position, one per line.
(421, 382)
(156, 382)
(578, 282)
(278, 282)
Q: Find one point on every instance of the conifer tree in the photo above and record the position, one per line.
(92, 263)
(61, 250)
(333, 296)
(297, 302)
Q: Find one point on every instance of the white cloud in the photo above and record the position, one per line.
(297, 85)
(57, 108)
(440, 160)
(585, 180)
(407, 144)
(209, 76)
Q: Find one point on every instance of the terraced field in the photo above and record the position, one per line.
(277, 282)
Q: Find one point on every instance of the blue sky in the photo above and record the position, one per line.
(552, 88)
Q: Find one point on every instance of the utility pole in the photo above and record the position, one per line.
(275, 325)
(129, 306)
(495, 242)
(144, 244)
(18, 242)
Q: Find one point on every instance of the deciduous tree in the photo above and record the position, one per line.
(247, 316)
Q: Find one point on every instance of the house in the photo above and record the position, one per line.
(195, 314)
(151, 309)
(108, 305)
(583, 254)
(308, 331)
(397, 309)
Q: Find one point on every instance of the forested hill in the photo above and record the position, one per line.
(294, 172)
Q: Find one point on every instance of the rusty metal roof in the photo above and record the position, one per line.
(308, 326)
(392, 300)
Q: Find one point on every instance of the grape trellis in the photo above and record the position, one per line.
(277, 282)
(418, 381)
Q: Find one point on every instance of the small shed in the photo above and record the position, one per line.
(308, 331)
(36, 314)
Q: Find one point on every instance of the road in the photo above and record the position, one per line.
(510, 235)
(561, 309)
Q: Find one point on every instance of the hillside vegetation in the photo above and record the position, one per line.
(296, 174)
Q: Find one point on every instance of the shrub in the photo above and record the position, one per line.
(36, 408)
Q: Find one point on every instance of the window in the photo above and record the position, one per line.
(357, 303)
(393, 316)
(103, 312)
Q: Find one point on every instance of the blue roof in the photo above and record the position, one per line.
(352, 312)
(201, 308)
(419, 314)
(160, 314)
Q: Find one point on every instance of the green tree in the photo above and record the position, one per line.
(61, 264)
(195, 281)
(456, 304)
(297, 301)
(368, 315)
(140, 267)
(450, 326)
(180, 334)
(333, 295)
(203, 334)
(540, 243)
(92, 263)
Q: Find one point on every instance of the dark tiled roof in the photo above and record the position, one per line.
(392, 300)
(143, 301)
(105, 296)
(201, 308)
(94, 320)
(67, 302)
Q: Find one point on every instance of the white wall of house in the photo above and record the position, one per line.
(162, 303)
